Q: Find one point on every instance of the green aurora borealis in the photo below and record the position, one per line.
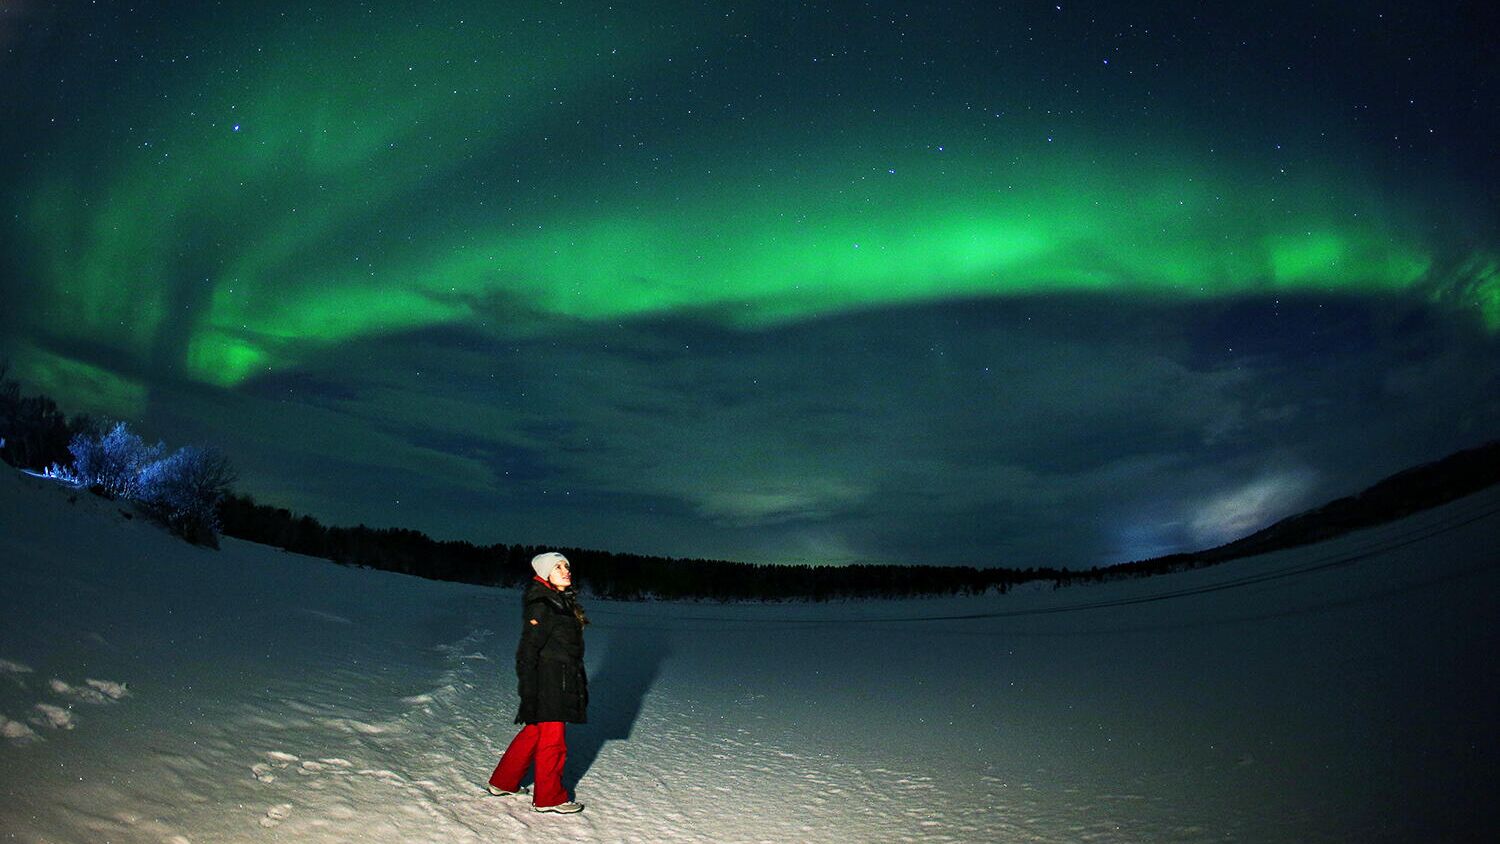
(267, 190)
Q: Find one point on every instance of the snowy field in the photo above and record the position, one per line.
(154, 692)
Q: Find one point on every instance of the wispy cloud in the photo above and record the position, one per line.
(1248, 507)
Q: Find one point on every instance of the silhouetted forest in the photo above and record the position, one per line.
(35, 434)
(605, 573)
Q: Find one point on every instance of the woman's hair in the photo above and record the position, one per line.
(578, 613)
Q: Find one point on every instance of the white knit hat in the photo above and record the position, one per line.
(543, 564)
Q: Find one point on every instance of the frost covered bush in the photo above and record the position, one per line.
(112, 463)
(184, 489)
(59, 472)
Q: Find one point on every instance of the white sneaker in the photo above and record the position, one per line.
(561, 808)
(501, 793)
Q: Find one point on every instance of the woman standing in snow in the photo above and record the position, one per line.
(553, 686)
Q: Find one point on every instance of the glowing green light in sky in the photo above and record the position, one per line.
(311, 201)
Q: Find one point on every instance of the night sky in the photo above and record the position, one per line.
(992, 284)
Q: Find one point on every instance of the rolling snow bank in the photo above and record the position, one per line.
(155, 692)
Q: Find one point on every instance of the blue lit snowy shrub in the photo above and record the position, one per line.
(184, 489)
(112, 463)
(59, 472)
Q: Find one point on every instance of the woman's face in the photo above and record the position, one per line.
(561, 575)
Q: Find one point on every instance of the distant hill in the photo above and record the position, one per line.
(1406, 492)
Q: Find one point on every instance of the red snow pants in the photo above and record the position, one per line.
(542, 742)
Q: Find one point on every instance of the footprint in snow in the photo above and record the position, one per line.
(94, 691)
(276, 814)
(54, 717)
(17, 733)
(277, 760)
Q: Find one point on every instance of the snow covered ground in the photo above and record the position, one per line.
(155, 692)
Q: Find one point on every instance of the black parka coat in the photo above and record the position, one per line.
(549, 660)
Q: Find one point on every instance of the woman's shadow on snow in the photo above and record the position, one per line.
(617, 687)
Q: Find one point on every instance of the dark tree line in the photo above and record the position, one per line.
(389, 549)
(605, 573)
(34, 433)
